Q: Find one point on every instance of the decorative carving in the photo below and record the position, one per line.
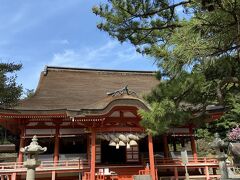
(122, 91)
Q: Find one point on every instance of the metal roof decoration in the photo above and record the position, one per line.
(122, 91)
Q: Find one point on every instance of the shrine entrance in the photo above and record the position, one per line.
(111, 155)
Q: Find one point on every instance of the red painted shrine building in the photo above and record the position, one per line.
(92, 129)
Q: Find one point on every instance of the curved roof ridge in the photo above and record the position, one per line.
(96, 70)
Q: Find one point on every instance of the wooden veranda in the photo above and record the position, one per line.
(208, 165)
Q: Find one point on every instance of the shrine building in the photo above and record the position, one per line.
(88, 120)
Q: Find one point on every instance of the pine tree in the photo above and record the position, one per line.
(196, 44)
(10, 92)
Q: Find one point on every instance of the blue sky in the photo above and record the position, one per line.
(60, 33)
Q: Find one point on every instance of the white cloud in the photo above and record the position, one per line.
(65, 59)
(110, 55)
(59, 41)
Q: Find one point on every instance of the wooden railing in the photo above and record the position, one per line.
(45, 166)
(175, 165)
(191, 161)
(203, 163)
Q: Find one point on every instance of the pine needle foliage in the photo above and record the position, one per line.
(10, 91)
(196, 44)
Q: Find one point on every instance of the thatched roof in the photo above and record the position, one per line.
(75, 88)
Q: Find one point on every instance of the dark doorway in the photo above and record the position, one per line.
(73, 145)
(111, 155)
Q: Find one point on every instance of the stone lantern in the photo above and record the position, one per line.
(219, 145)
(32, 151)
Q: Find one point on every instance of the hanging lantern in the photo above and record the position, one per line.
(113, 137)
(122, 137)
(128, 146)
(127, 137)
(101, 136)
(112, 143)
(121, 143)
(106, 137)
(133, 137)
(141, 135)
(133, 143)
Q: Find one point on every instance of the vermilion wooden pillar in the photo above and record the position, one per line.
(165, 146)
(93, 154)
(56, 151)
(176, 173)
(13, 176)
(88, 150)
(56, 146)
(21, 144)
(151, 156)
(193, 145)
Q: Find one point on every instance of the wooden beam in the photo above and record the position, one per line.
(93, 154)
(125, 119)
(176, 173)
(56, 146)
(53, 175)
(31, 116)
(21, 144)
(165, 146)
(48, 120)
(120, 129)
(89, 149)
(107, 114)
(193, 145)
(151, 157)
(13, 176)
(40, 127)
